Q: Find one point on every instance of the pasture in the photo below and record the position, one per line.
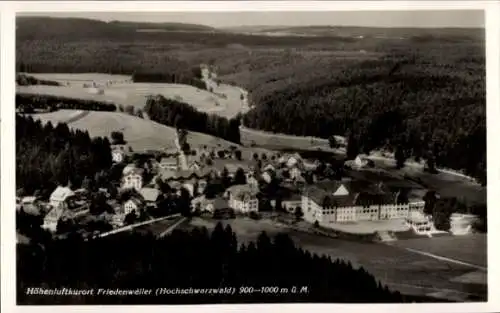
(401, 270)
(140, 134)
(224, 100)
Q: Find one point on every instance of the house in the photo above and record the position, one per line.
(60, 195)
(132, 205)
(253, 182)
(358, 163)
(202, 185)
(295, 173)
(293, 160)
(132, 178)
(291, 202)
(243, 198)
(151, 196)
(268, 167)
(267, 177)
(194, 166)
(117, 154)
(461, 224)
(209, 205)
(420, 223)
(169, 163)
(54, 216)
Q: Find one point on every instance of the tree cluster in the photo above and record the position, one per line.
(27, 103)
(183, 116)
(131, 260)
(186, 77)
(48, 156)
(26, 80)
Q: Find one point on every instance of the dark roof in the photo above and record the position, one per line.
(220, 203)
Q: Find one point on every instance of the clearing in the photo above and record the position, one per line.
(140, 134)
(118, 89)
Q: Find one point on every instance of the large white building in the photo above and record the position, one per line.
(340, 204)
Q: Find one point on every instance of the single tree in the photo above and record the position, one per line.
(400, 157)
(332, 141)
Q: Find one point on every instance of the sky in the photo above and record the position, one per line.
(448, 18)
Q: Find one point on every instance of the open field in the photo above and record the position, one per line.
(280, 141)
(224, 101)
(400, 269)
(470, 248)
(446, 184)
(140, 134)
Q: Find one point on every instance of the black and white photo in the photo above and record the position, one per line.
(250, 157)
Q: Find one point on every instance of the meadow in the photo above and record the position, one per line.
(400, 269)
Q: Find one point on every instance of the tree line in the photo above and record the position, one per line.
(28, 103)
(192, 77)
(213, 260)
(27, 80)
(183, 116)
(48, 156)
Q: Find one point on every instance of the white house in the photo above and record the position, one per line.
(420, 223)
(131, 205)
(253, 182)
(243, 198)
(461, 224)
(295, 173)
(132, 178)
(266, 176)
(60, 195)
(150, 195)
(293, 160)
(358, 163)
(291, 203)
(118, 153)
(169, 163)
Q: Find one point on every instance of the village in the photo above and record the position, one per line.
(221, 184)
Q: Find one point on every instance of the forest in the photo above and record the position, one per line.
(419, 91)
(28, 103)
(183, 116)
(48, 156)
(426, 105)
(213, 260)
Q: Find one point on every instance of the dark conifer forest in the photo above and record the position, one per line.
(28, 103)
(50, 155)
(183, 116)
(195, 259)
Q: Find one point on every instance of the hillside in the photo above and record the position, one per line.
(140, 134)
(53, 27)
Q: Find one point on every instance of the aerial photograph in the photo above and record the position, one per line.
(250, 157)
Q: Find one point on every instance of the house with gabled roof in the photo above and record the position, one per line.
(60, 195)
(243, 198)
